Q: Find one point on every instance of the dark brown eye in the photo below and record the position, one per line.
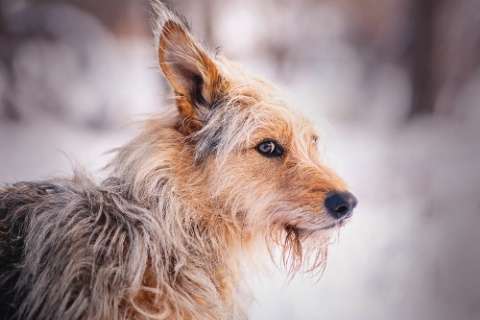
(270, 148)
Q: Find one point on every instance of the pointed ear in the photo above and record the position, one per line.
(192, 74)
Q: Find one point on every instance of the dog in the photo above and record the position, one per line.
(231, 166)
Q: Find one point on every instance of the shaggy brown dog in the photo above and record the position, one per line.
(161, 238)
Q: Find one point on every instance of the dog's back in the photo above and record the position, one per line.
(17, 204)
(57, 260)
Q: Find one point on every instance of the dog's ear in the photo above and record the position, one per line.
(191, 72)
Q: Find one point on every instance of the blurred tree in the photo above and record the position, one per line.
(2, 18)
(457, 49)
(420, 56)
(7, 47)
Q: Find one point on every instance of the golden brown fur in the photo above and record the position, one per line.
(185, 200)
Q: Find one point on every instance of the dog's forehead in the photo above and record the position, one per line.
(278, 119)
(266, 103)
(281, 113)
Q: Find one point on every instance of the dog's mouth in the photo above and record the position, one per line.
(311, 229)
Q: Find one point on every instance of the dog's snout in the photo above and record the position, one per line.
(340, 204)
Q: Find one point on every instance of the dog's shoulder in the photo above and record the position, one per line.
(64, 231)
(37, 221)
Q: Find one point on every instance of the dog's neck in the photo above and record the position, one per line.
(197, 253)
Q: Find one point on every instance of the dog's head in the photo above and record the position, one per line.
(254, 155)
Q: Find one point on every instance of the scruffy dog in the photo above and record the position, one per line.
(163, 236)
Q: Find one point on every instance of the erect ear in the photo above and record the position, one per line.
(192, 74)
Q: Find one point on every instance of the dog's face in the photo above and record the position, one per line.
(258, 157)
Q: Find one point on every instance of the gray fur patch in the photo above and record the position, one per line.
(69, 249)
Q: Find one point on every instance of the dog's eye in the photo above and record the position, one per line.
(270, 148)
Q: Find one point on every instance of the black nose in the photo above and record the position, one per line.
(340, 204)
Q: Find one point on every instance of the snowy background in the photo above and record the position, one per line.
(75, 76)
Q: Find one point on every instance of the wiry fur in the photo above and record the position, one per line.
(162, 236)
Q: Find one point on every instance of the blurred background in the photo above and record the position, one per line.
(393, 87)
